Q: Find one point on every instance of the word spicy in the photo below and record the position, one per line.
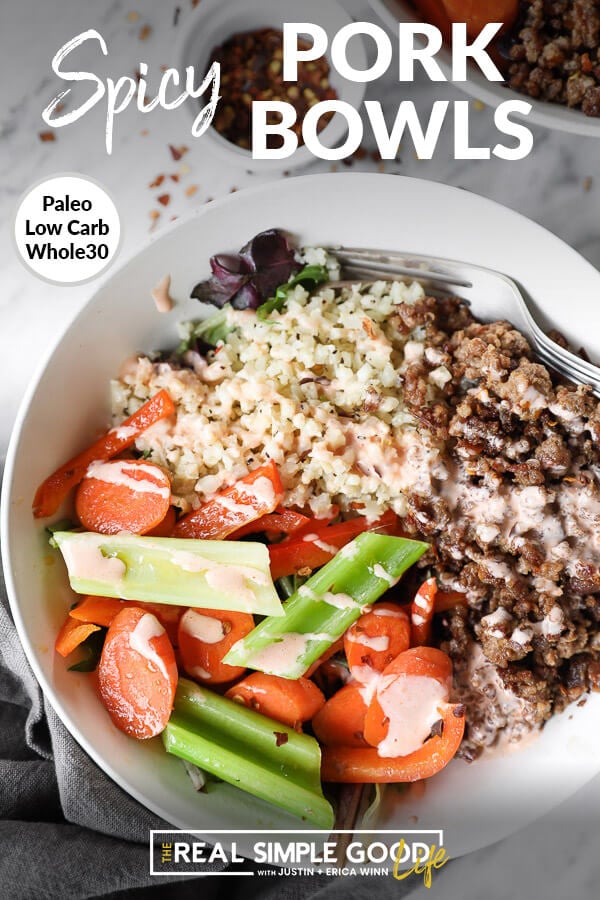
(121, 92)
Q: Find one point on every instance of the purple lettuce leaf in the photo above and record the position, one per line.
(248, 278)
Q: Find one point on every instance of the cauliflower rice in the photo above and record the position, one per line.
(315, 389)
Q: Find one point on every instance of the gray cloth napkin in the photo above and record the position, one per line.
(67, 831)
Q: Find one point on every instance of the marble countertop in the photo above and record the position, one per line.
(558, 185)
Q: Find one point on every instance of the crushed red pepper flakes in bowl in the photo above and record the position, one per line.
(252, 69)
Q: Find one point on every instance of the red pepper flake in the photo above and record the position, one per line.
(177, 152)
(144, 132)
(195, 3)
(174, 178)
(47, 136)
(164, 199)
(154, 214)
(157, 181)
(587, 184)
(133, 16)
(191, 190)
(145, 32)
(281, 737)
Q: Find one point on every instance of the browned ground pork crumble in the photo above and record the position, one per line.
(515, 523)
(555, 53)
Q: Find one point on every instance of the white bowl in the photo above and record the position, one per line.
(68, 402)
(214, 21)
(549, 115)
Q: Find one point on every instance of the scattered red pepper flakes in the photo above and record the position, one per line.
(174, 178)
(177, 152)
(154, 214)
(145, 32)
(191, 190)
(144, 132)
(164, 199)
(157, 181)
(46, 136)
(587, 184)
(133, 16)
(195, 3)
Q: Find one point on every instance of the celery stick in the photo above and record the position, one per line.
(228, 575)
(249, 750)
(323, 608)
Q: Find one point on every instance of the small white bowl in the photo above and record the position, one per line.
(549, 115)
(214, 21)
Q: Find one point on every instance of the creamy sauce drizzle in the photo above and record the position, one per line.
(84, 559)
(277, 658)
(203, 628)
(147, 628)
(116, 472)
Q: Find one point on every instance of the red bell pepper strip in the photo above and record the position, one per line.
(313, 550)
(54, 489)
(283, 521)
(421, 613)
(358, 766)
(250, 498)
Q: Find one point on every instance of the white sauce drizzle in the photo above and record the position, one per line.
(341, 601)
(115, 472)
(161, 296)
(84, 559)
(203, 628)
(380, 572)
(147, 628)
(378, 644)
(278, 657)
(411, 702)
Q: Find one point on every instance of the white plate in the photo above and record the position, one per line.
(549, 115)
(68, 401)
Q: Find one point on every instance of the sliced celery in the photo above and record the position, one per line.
(323, 608)
(228, 575)
(249, 750)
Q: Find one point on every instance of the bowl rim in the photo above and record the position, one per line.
(554, 116)
(351, 92)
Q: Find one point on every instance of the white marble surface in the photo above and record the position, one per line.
(558, 186)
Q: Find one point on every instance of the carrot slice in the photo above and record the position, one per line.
(137, 674)
(421, 613)
(478, 13)
(72, 634)
(123, 495)
(102, 611)
(377, 637)
(426, 662)
(356, 766)
(341, 722)
(98, 610)
(54, 489)
(165, 528)
(250, 498)
(434, 11)
(205, 636)
(291, 701)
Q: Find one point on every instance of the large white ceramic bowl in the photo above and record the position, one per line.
(68, 402)
(549, 115)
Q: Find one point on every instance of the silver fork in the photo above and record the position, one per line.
(492, 295)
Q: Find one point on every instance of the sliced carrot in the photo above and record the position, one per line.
(291, 701)
(102, 611)
(165, 528)
(356, 766)
(72, 634)
(54, 489)
(97, 610)
(434, 11)
(312, 550)
(205, 636)
(123, 495)
(421, 613)
(446, 600)
(426, 662)
(478, 13)
(341, 722)
(250, 498)
(137, 674)
(377, 637)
